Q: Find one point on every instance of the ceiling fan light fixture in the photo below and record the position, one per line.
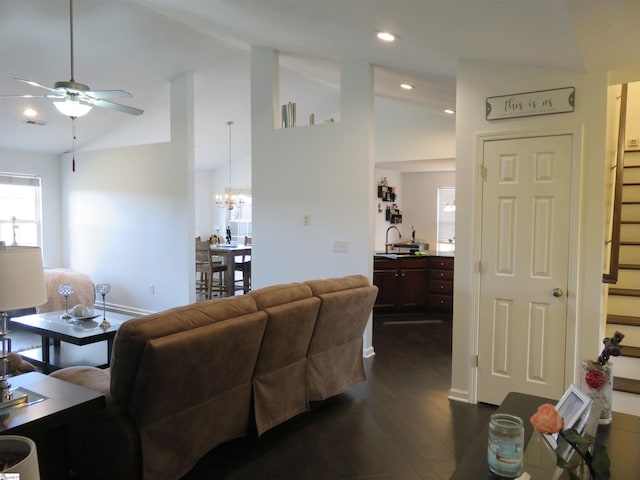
(72, 107)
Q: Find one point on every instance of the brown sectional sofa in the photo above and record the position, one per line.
(187, 379)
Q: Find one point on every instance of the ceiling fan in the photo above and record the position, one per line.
(76, 99)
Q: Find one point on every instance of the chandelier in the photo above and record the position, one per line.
(228, 200)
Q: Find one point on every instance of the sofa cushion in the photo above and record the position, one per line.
(133, 335)
(280, 294)
(328, 285)
(89, 377)
(193, 392)
(334, 360)
(279, 380)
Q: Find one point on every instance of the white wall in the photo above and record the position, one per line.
(409, 131)
(476, 81)
(129, 215)
(48, 168)
(324, 171)
(403, 132)
(204, 204)
(633, 114)
(421, 206)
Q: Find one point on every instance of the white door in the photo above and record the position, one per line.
(524, 263)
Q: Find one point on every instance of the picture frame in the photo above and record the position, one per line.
(573, 407)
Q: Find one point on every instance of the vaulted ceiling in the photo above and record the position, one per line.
(140, 45)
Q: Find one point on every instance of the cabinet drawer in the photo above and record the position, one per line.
(413, 263)
(385, 264)
(443, 263)
(441, 274)
(440, 301)
(440, 287)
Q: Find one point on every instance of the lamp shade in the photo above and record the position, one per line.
(21, 278)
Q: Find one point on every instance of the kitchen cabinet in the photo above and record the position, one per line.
(413, 283)
(402, 284)
(440, 291)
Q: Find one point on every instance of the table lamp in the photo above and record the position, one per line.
(21, 286)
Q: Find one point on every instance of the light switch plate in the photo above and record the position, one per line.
(340, 246)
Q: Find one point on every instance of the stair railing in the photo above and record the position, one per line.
(618, 171)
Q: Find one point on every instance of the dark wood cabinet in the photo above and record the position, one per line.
(402, 284)
(413, 283)
(407, 284)
(440, 291)
(385, 277)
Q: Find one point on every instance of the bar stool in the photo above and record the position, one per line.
(206, 283)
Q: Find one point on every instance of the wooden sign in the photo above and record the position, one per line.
(529, 104)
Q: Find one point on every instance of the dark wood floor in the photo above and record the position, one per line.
(398, 424)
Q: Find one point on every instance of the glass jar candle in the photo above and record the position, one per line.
(505, 445)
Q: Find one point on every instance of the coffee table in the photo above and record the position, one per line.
(75, 331)
(53, 406)
(621, 439)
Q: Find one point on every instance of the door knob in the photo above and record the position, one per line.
(557, 292)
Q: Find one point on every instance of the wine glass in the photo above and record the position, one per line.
(65, 289)
(103, 289)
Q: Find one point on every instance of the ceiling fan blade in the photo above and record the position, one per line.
(99, 94)
(35, 84)
(31, 96)
(116, 106)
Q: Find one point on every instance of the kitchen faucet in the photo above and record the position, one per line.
(386, 238)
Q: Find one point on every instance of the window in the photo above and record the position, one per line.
(446, 218)
(20, 207)
(240, 220)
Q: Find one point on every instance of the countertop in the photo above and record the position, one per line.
(430, 253)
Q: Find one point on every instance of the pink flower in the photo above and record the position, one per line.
(547, 419)
(595, 379)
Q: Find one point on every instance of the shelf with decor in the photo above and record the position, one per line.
(387, 193)
(393, 214)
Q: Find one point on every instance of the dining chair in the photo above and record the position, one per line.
(210, 277)
(243, 265)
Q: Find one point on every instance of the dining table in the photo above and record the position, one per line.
(229, 252)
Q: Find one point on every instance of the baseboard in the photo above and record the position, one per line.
(368, 352)
(459, 395)
(124, 309)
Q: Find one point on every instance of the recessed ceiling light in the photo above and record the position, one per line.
(30, 112)
(450, 112)
(386, 36)
(406, 86)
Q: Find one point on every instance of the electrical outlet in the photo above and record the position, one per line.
(152, 289)
(307, 220)
(340, 246)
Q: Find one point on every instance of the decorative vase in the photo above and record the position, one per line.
(597, 383)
